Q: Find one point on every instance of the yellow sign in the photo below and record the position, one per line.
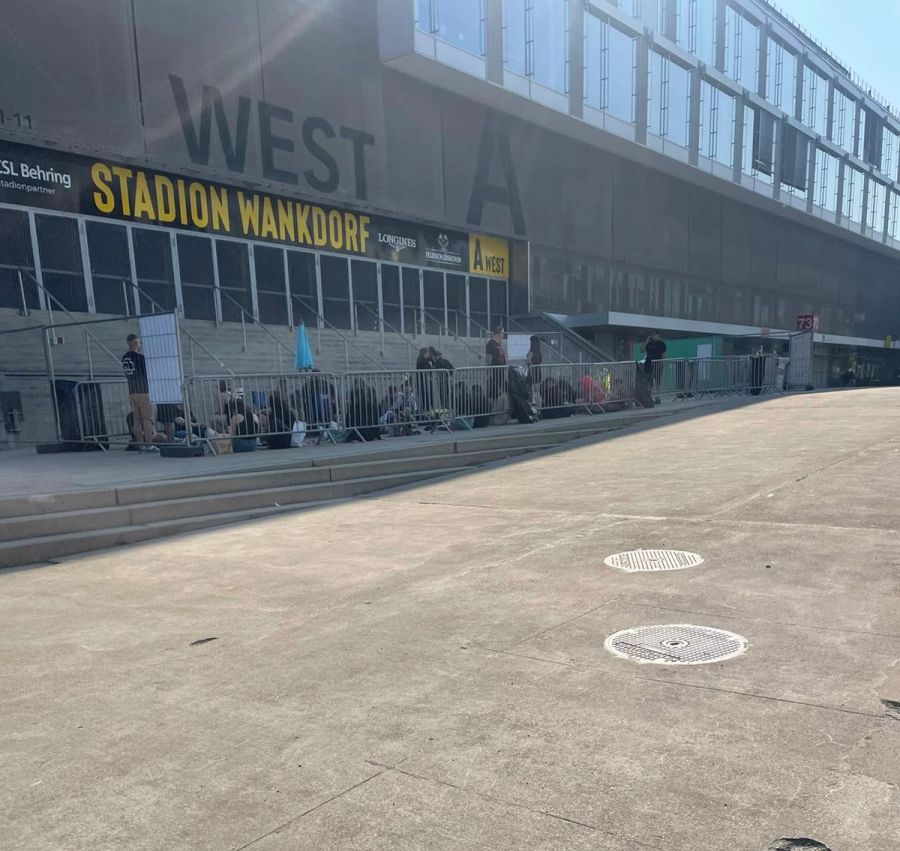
(488, 256)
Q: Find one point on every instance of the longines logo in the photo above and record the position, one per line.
(398, 243)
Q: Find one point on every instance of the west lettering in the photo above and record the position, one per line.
(333, 177)
(269, 142)
(198, 140)
(495, 142)
(360, 140)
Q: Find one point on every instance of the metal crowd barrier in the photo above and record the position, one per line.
(273, 400)
(100, 413)
(397, 401)
(366, 404)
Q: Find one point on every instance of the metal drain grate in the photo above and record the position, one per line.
(797, 845)
(635, 560)
(676, 644)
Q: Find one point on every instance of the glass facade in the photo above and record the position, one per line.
(815, 101)
(875, 206)
(853, 194)
(668, 99)
(741, 49)
(536, 41)
(841, 133)
(702, 29)
(609, 68)
(717, 116)
(827, 174)
(781, 77)
(457, 22)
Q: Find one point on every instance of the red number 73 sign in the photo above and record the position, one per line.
(807, 322)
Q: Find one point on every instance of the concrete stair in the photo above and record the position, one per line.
(40, 528)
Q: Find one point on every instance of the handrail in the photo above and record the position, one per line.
(412, 344)
(547, 343)
(255, 321)
(450, 333)
(64, 309)
(188, 334)
(329, 325)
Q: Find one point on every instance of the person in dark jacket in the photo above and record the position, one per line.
(424, 365)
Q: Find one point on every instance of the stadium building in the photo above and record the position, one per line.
(591, 167)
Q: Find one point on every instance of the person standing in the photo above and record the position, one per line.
(495, 353)
(654, 350)
(135, 368)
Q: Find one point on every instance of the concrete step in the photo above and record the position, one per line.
(162, 500)
(156, 520)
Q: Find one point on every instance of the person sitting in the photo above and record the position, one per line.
(362, 414)
(242, 426)
(592, 390)
(557, 398)
(280, 419)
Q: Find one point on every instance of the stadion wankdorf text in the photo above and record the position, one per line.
(64, 182)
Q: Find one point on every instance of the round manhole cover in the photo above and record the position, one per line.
(676, 644)
(636, 560)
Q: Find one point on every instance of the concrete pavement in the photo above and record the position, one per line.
(425, 669)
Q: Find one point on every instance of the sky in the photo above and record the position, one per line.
(861, 33)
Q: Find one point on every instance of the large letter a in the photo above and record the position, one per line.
(495, 141)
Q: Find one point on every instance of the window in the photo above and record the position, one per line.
(859, 133)
(15, 254)
(412, 301)
(336, 291)
(499, 313)
(234, 279)
(843, 112)
(794, 161)
(702, 30)
(304, 290)
(668, 93)
(853, 194)
(478, 306)
(198, 286)
(717, 112)
(759, 144)
(365, 294)
(741, 49)
(609, 69)
(536, 40)
(456, 303)
(890, 152)
(894, 216)
(514, 38)
(110, 268)
(875, 210)
(60, 253)
(827, 173)
(434, 301)
(458, 22)
(155, 273)
(815, 101)
(671, 21)
(781, 77)
(390, 296)
(871, 138)
(270, 294)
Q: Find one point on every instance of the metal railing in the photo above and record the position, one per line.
(444, 329)
(279, 344)
(412, 345)
(348, 342)
(365, 405)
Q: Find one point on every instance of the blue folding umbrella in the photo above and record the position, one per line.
(303, 358)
